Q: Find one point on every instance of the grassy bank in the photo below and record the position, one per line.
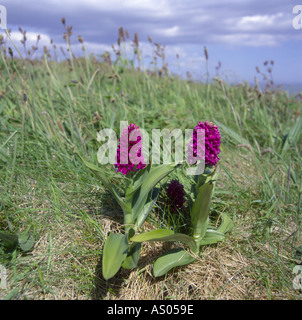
(49, 109)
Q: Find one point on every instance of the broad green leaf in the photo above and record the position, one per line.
(155, 175)
(26, 241)
(108, 185)
(153, 195)
(115, 252)
(200, 210)
(165, 235)
(133, 256)
(170, 260)
(226, 225)
(138, 180)
(154, 235)
(10, 240)
(212, 236)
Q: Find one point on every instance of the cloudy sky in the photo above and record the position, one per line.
(241, 34)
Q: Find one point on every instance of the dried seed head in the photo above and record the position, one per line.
(69, 28)
(63, 21)
(10, 51)
(206, 53)
(97, 116)
(135, 41)
(80, 39)
(121, 35)
(60, 126)
(257, 69)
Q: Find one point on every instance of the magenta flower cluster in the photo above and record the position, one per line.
(176, 195)
(130, 140)
(208, 146)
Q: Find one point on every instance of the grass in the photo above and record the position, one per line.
(49, 109)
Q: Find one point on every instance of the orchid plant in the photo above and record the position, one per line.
(201, 194)
(141, 193)
(139, 197)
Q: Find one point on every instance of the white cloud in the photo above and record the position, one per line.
(250, 40)
(158, 8)
(31, 38)
(261, 22)
(168, 32)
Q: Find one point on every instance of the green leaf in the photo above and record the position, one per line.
(108, 185)
(153, 195)
(133, 256)
(155, 175)
(26, 241)
(170, 260)
(211, 236)
(138, 179)
(165, 235)
(226, 225)
(115, 252)
(200, 210)
(10, 240)
(155, 235)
